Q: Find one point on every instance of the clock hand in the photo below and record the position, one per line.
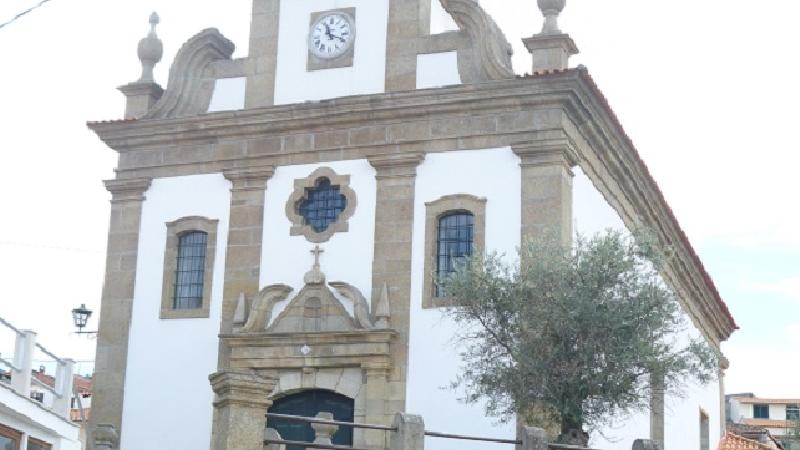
(328, 31)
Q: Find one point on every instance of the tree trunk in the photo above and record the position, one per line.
(572, 434)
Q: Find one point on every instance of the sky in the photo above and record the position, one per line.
(706, 89)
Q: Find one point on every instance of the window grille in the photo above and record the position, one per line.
(190, 270)
(323, 205)
(455, 236)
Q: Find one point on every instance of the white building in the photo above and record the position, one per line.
(369, 128)
(33, 414)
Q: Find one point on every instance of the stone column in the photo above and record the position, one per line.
(657, 409)
(394, 222)
(724, 364)
(262, 63)
(377, 393)
(546, 188)
(245, 233)
(408, 21)
(240, 408)
(127, 198)
(24, 346)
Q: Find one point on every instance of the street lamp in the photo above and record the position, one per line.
(80, 317)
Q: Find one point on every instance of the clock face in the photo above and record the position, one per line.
(331, 35)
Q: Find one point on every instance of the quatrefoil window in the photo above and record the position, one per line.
(321, 205)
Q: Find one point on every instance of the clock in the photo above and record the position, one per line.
(332, 35)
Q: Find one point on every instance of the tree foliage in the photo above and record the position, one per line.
(572, 333)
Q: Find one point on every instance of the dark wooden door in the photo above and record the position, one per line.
(309, 404)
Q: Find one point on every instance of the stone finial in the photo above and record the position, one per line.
(551, 10)
(150, 50)
(551, 49)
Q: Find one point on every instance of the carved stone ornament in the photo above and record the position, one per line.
(315, 308)
(190, 88)
(105, 437)
(490, 58)
(302, 188)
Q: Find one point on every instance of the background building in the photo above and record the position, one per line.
(35, 408)
(752, 416)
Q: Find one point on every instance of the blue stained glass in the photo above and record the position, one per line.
(323, 205)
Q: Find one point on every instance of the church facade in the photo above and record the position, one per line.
(277, 221)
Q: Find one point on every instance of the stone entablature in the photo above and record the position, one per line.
(556, 107)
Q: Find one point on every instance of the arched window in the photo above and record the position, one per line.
(455, 239)
(308, 404)
(455, 227)
(190, 271)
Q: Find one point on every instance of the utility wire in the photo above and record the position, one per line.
(18, 16)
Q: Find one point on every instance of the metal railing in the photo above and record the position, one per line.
(272, 437)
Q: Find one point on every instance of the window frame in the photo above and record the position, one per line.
(760, 405)
(12, 434)
(175, 230)
(302, 186)
(40, 443)
(795, 409)
(434, 211)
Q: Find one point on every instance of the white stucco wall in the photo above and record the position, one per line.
(168, 399)
(295, 84)
(592, 214)
(347, 257)
(433, 361)
(25, 415)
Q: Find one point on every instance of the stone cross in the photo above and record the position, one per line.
(316, 252)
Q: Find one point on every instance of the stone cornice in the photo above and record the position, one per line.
(242, 387)
(547, 152)
(396, 165)
(128, 189)
(494, 97)
(249, 178)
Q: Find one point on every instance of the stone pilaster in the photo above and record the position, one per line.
(263, 60)
(127, 198)
(657, 411)
(546, 187)
(394, 223)
(377, 393)
(240, 406)
(245, 233)
(408, 21)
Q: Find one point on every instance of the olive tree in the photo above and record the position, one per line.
(572, 334)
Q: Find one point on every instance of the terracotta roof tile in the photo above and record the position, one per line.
(734, 442)
(767, 423)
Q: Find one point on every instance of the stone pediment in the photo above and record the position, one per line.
(314, 309)
(317, 308)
